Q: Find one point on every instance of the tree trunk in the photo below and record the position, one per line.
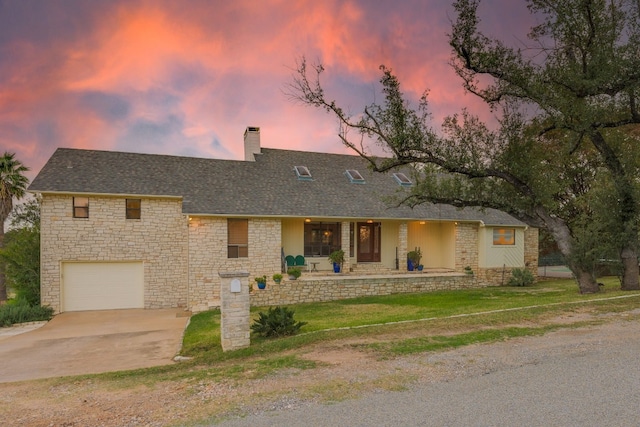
(562, 235)
(630, 270)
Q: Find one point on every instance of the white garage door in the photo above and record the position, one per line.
(102, 285)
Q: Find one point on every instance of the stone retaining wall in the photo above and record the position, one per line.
(342, 287)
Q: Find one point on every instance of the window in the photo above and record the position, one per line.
(504, 236)
(321, 238)
(402, 179)
(81, 207)
(237, 238)
(355, 176)
(133, 208)
(303, 173)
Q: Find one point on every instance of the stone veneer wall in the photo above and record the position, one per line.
(466, 246)
(159, 239)
(531, 241)
(208, 256)
(343, 287)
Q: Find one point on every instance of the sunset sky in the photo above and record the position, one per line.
(187, 77)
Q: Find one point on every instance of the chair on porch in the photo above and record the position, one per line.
(300, 262)
(290, 261)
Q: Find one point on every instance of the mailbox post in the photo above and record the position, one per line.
(234, 310)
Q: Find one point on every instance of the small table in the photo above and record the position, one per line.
(314, 264)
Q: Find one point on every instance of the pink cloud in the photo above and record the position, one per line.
(187, 78)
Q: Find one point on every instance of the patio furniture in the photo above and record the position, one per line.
(300, 262)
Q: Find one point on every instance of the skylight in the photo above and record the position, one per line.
(303, 173)
(355, 176)
(402, 179)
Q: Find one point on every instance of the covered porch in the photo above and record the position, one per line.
(370, 246)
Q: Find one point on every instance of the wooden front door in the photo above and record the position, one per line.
(368, 242)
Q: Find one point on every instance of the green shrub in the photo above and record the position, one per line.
(20, 313)
(277, 322)
(521, 277)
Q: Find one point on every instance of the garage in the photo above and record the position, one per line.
(102, 285)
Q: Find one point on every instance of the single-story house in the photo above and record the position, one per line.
(127, 230)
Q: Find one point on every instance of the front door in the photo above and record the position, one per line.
(368, 242)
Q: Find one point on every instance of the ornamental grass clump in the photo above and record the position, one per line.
(276, 322)
(521, 277)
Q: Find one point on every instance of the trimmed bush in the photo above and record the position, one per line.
(11, 314)
(521, 277)
(277, 322)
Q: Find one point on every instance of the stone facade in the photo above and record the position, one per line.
(317, 289)
(235, 317)
(466, 246)
(208, 256)
(531, 250)
(158, 239)
(183, 257)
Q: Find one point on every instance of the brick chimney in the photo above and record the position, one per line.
(251, 143)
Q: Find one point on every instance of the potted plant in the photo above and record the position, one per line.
(261, 281)
(294, 273)
(413, 259)
(337, 258)
(277, 278)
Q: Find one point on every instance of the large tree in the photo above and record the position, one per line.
(541, 163)
(582, 76)
(13, 184)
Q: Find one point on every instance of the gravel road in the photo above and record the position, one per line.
(586, 377)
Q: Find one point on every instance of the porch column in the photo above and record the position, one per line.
(345, 244)
(403, 238)
(234, 310)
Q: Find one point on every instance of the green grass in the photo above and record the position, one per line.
(496, 307)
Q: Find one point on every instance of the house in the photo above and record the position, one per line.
(126, 230)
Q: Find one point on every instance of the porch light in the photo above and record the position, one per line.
(369, 221)
(307, 220)
(423, 222)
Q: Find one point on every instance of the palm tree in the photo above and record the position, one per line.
(13, 183)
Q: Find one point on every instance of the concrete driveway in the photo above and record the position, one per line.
(89, 342)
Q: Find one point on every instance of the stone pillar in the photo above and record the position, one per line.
(234, 310)
(531, 250)
(345, 245)
(403, 241)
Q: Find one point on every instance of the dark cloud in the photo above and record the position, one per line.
(110, 107)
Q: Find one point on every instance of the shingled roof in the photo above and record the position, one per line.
(266, 187)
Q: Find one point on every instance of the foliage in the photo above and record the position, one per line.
(277, 277)
(260, 279)
(468, 270)
(21, 257)
(561, 101)
(11, 314)
(21, 252)
(415, 256)
(277, 322)
(13, 184)
(337, 257)
(294, 272)
(521, 277)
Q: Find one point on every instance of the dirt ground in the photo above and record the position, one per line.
(344, 372)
